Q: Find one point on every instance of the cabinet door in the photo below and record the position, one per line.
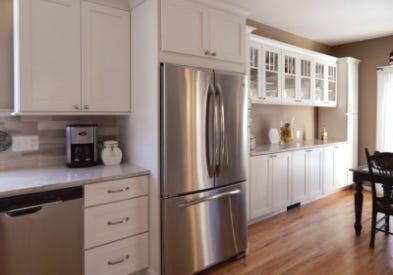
(260, 188)
(313, 172)
(331, 96)
(298, 176)
(271, 77)
(255, 71)
(184, 27)
(289, 76)
(279, 165)
(47, 46)
(305, 80)
(319, 83)
(328, 169)
(340, 165)
(105, 58)
(227, 36)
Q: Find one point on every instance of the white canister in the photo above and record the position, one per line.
(111, 153)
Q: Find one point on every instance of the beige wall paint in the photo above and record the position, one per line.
(372, 53)
(6, 86)
(286, 37)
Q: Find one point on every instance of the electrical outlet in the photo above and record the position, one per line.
(25, 143)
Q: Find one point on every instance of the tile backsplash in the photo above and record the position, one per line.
(51, 132)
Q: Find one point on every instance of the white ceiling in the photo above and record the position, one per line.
(331, 22)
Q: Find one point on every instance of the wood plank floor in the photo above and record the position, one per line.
(316, 238)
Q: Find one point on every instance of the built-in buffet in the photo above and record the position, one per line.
(291, 174)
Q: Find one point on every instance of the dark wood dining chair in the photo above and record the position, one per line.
(380, 166)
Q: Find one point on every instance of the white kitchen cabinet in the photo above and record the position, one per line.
(260, 187)
(340, 165)
(298, 188)
(279, 165)
(335, 167)
(105, 59)
(47, 50)
(328, 170)
(194, 28)
(71, 57)
(325, 81)
(269, 184)
(284, 74)
(313, 172)
(116, 226)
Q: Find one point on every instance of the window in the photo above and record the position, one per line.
(384, 109)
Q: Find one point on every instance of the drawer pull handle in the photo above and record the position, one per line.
(119, 261)
(118, 190)
(119, 222)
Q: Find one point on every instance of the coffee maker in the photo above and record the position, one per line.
(81, 145)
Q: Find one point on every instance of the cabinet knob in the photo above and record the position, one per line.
(214, 54)
(86, 107)
(76, 107)
(207, 52)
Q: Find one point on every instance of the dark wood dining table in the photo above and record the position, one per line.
(360, 175)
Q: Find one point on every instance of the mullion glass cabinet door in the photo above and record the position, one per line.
(332, 83)
(254, 72)
(319, 89)
(289, 82)
(305, 80)
(271, 75)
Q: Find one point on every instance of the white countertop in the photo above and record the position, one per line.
(24, 181)
(291, 146)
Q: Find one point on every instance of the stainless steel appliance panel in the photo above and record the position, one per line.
(202, 229)
(187, 97)
(231, 100)
(42, 239)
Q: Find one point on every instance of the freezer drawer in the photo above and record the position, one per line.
(202, 229)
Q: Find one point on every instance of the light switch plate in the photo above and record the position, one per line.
(25, 143)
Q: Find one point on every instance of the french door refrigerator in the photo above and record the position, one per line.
(203, 170)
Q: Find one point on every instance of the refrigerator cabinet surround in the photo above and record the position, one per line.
(202, 229)
(203, 167)
(203, 126)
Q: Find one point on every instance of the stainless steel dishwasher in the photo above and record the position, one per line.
(41, 233)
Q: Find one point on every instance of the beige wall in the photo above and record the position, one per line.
(286, 37)
(6, 87)
(372, 53)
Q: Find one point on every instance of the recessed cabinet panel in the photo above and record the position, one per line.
(226, 36)
(47, 44)
(106, 56)
(184, 27)
(260, 187)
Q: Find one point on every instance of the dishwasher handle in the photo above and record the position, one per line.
(23, 211)
(29, 210)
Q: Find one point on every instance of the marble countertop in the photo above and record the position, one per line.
(24, 181)
(277, 148)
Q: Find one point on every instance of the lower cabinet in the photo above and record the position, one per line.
(269, 184)
(286, 178)
(116, 226)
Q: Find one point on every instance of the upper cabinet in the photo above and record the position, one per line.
(71, 56)
(203, 30)
(284, 74)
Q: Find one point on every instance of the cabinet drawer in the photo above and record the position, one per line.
(121, 257)
(110, 222)
(115, 190)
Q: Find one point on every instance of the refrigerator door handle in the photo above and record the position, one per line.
(210, 131)
(209, 198)
(221, 126)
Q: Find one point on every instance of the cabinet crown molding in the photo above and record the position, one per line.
(224, 6)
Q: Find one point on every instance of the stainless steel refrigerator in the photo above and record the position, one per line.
(203, 170)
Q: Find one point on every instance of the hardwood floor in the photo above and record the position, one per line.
(316, 238)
